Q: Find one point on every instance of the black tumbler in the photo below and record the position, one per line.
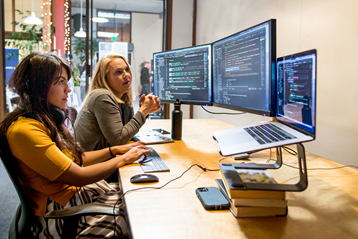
(177, 121)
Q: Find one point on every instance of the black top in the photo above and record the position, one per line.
(144, 76)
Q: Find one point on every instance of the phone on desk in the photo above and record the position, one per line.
(212, 198)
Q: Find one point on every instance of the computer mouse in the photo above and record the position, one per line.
(144, 178)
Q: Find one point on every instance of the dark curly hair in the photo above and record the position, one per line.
(32, 80)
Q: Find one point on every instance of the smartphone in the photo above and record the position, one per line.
(162, 131)
(212, 199)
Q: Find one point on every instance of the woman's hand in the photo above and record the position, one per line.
(141, 100)
(149, 104)
(135, 153)
(121, 149)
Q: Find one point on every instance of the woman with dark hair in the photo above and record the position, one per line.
(54, 170)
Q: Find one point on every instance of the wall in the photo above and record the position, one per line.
(147, 34)
(182, 31)
(327, 25)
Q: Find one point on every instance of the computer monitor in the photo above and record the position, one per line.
(244, 69)
(184, 75)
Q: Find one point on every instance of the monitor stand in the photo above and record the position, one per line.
(229, 172)
(241, 156)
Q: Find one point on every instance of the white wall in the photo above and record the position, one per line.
(330, 26)
(147, 34)
(182, 31)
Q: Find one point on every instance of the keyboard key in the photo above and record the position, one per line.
(268, 133)
(153, 163)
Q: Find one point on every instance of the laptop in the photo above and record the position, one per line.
(295, 120)
(152, 137)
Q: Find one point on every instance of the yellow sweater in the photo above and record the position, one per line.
(40, 163)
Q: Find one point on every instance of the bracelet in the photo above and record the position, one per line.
(110, 152)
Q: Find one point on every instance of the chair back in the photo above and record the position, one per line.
(24, 220)
(73, 113)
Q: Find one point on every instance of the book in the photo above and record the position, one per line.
(241, 192)
(255, 176)
(251, 211)
(253, 202)
(258, 211)
(152, 137)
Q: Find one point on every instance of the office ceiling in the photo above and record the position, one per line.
(152, 6)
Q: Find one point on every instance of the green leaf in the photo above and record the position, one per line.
(17, 10)
(9, 56)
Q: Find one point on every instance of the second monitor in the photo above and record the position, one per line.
(184, 75)
(244, 70)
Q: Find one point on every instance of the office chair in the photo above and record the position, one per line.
(24, 223)
(73, 113)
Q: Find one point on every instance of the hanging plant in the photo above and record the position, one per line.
(28, 40)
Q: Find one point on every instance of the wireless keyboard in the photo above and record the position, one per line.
(153, 163)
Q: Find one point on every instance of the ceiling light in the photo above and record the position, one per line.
(107, 34)
(80, 33)
(116, 15)
(99, 19)
(32, 19)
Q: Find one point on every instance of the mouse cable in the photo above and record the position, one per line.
(218, 113)
(137, 189)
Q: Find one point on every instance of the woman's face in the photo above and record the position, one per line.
(119, 77)
(58, 94)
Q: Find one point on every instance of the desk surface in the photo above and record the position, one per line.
(328, 208)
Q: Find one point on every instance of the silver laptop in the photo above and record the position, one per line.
(295, 120)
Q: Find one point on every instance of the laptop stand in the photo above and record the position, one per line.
(233, 179)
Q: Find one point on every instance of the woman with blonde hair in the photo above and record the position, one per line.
(107, 117)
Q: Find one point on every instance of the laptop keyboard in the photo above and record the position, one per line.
(268, 133)
(153, 163)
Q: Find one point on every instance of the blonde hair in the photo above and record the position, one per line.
(99, 78)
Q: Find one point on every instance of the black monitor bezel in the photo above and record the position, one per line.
(190, 102)
(272, 111)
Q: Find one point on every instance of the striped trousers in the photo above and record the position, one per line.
(99, 226)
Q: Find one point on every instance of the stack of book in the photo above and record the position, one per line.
(253, 203)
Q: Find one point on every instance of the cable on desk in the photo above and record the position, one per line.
(345, 166)
(225, 158)
(222, 113)
(268, 160)
(136, 189)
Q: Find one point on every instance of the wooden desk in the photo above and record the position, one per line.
(328, 208)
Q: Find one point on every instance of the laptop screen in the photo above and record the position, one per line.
(296, 91)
